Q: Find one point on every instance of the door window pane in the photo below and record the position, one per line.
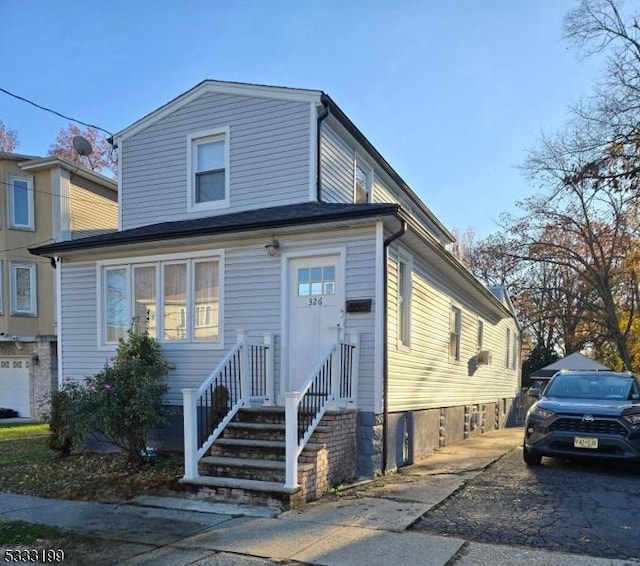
(145, 299)
(328, 281)
(303, 283)
(116, 308)
(206, 292)
(175, 301)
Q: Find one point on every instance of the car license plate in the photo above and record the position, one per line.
(585, 442)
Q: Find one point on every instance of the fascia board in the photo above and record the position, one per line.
(48, 162)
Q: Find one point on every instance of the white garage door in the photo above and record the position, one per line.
(14, 385)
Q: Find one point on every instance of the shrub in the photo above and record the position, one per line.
(122, 403)
(60, 422)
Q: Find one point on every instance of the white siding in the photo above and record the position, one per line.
(425, 376)
(252, 302)
(269, 157)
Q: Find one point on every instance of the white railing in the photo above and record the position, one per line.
(331, 383)
(244, 375)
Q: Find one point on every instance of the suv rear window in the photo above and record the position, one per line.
(600, 386)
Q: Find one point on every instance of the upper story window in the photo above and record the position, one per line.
(455, 329)
(208, 169)
(21, 203)
(508, 349)
(480, 344)
(23, 289)
(362, 185)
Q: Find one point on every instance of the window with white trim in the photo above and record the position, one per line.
(1, 287)
(455, 326)
(405, 268)
(23, 289)
(21, 215)
(508, 349)
(208, 169)
(361, 184)
(175, 301)
(514, 350)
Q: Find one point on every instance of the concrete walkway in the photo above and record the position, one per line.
(363, 525)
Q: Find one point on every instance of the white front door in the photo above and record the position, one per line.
(316, 303)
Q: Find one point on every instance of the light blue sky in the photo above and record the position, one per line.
(451, 92)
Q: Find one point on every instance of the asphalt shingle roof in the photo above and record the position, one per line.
(263, 218)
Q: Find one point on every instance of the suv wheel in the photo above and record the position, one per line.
(530, 458)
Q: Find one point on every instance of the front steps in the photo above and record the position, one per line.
(247, 463)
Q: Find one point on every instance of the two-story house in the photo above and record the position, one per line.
(43, 200)
(316, 325)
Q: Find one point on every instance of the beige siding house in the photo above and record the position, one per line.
(43, 200)
(285, 267)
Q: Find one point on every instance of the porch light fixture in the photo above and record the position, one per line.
(272, 247)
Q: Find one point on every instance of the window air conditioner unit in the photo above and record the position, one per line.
(484, 357)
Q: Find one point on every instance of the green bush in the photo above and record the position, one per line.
(122, 403)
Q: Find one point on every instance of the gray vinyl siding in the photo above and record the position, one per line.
(337, 160)
(424, 376)
(269, 157)
(80, 357)
(251, 302)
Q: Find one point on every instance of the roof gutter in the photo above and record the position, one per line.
(321, 118)
(385, 343)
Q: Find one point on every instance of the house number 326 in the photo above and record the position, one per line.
(313, 301)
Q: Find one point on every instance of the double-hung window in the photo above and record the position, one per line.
(23, 289)
(508, 349)
(21, 215)
(208, 169)
(174, 300)
(455, 326)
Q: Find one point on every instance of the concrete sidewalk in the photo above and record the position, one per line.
(365, 524)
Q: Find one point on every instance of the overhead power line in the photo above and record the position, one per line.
(54, 112)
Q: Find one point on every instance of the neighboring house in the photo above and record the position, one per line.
(281, 261)
(43, 200)
(574, 362)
